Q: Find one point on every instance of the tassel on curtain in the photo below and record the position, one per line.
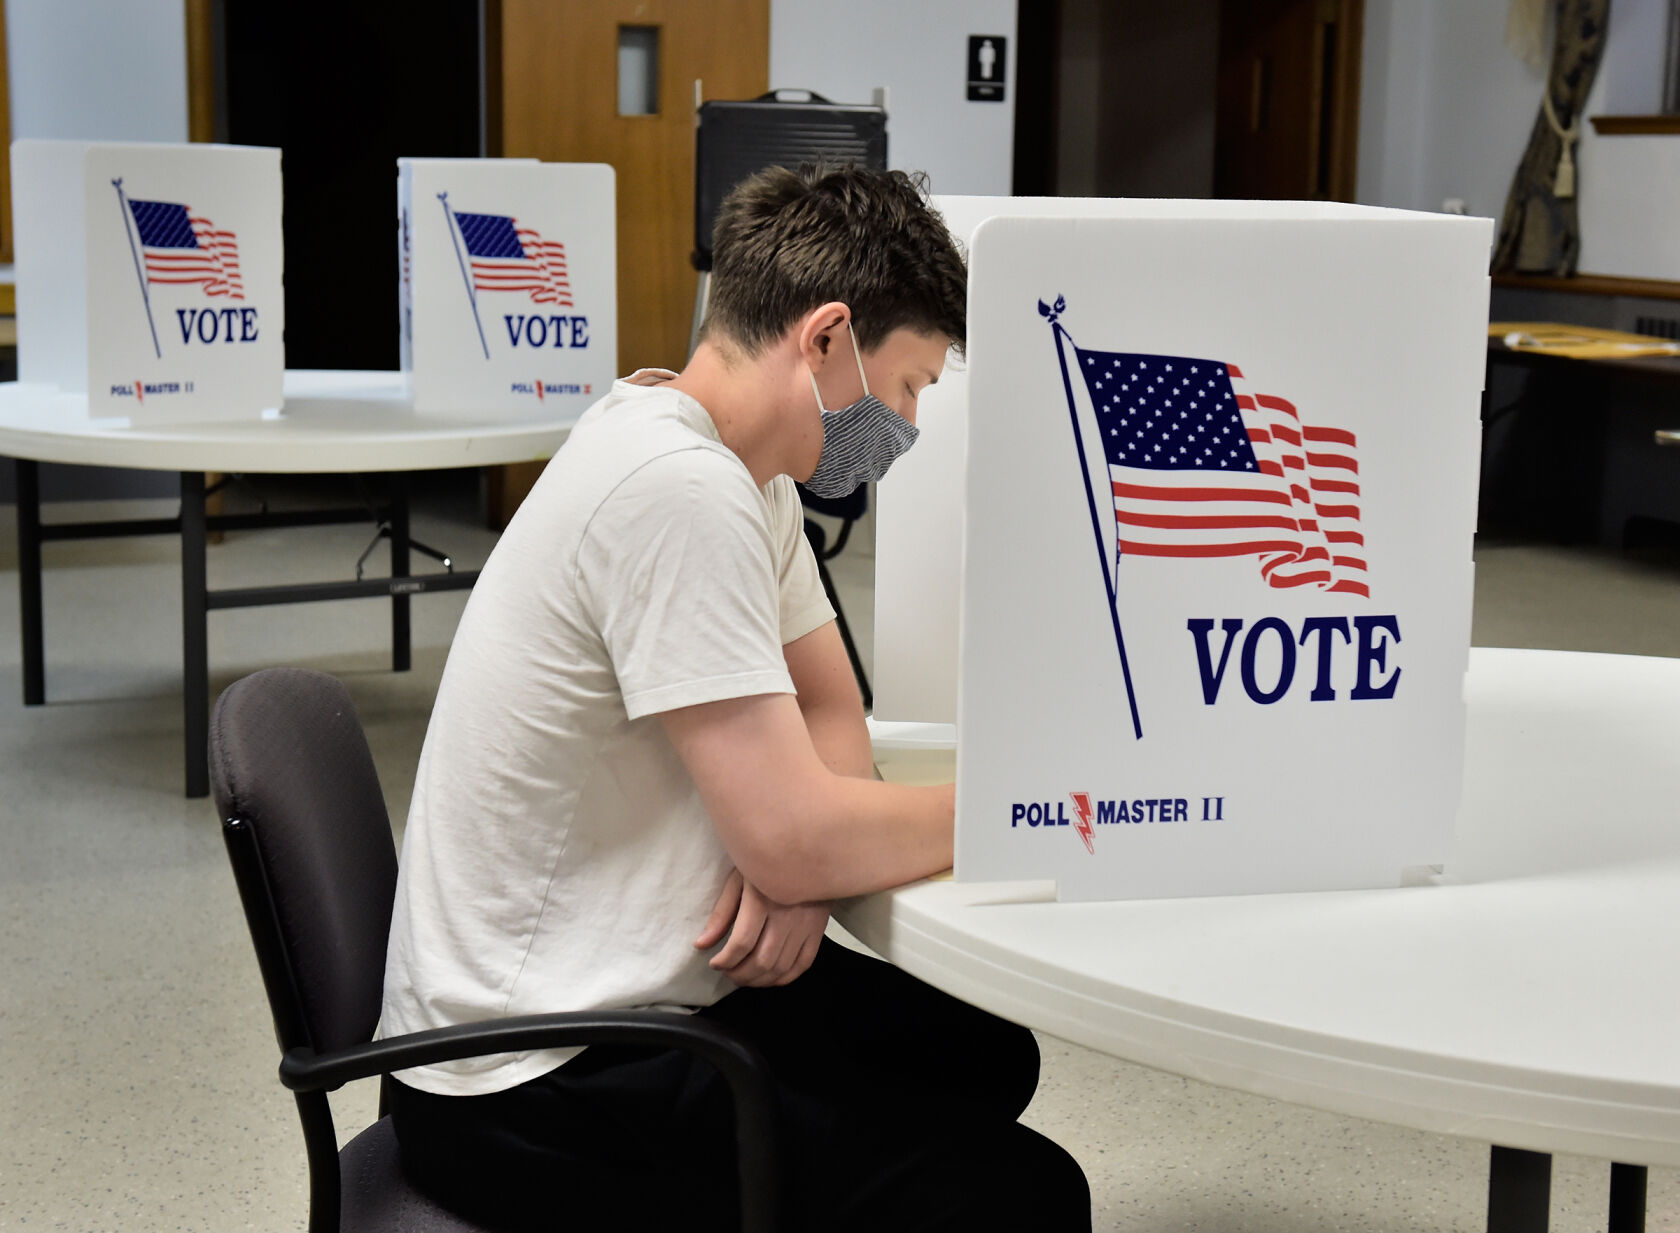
(1540, 232)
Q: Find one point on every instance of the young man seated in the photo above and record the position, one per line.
(647, 775)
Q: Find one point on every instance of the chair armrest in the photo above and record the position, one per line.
(741, 1065)
(304, 1070)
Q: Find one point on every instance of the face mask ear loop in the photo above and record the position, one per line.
(816, 393)
(859, 354)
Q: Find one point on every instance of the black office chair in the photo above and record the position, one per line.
(848, 510)
(311, 847)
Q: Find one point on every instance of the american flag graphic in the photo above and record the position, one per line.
(180, 248)
(1201, 466)
(508, 257)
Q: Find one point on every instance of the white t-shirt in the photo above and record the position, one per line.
(557, 855)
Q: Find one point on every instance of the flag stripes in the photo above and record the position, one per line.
(179, 248)
(507, 257)
(1201, 468)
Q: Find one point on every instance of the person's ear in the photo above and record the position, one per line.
(818, 328)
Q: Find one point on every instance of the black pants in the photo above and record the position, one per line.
(897, 1104)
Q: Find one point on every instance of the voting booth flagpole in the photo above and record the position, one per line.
(472, 296)
(1107, 541)
(139, 271)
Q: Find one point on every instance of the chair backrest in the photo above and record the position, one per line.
(848, 508)
(311, 847)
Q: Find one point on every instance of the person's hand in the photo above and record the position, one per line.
(769, 943)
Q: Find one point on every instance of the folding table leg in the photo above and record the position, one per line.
(827, 579)
(195, 643)
(1519, 1191)
(1627, 1198)
(402, 657)
(29, 581)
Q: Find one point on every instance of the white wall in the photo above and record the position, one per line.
(1633, 57)
(98, 69)
(918, 49)
(1446, 111)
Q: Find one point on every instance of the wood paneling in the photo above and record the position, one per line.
(559, 64)
(201, 72)
(5, 163)
(201, 126)
(1593, 284)
(1635, 126)
(558, 98)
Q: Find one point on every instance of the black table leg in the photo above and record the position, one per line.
(402, 643)
(29, 581)
(1627, 1198)
(1519, 1191)
(195, 645)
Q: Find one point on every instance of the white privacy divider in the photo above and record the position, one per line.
(1183, 677)
(149, 278)
(508, 285)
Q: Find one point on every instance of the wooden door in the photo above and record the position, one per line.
(558, 101)
(1288, 111)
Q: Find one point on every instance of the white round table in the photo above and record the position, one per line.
(1528, 996)
(332, 422)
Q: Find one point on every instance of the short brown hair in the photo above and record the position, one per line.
(787, 241)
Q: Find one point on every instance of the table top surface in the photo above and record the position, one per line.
(1661, 368)
(1527, 996)
(332, 421)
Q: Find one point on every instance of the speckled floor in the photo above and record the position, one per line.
(137, 1087)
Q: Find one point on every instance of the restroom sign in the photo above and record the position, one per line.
(986, 63)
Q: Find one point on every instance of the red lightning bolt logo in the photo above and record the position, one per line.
(1082, 810)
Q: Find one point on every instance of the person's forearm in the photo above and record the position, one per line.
(840, 737)
(795, 828)
(862, 836)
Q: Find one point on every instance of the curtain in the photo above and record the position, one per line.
(1540, 232)
(1527, 23)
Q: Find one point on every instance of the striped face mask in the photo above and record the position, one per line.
(860, 441)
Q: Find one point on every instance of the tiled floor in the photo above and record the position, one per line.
(137, 1087)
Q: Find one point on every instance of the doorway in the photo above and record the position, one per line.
(613, 81)
(1198, 98)
(1288, 110)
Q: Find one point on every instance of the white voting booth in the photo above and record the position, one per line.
(1200, 503)
(508, 291)
(149, 279)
